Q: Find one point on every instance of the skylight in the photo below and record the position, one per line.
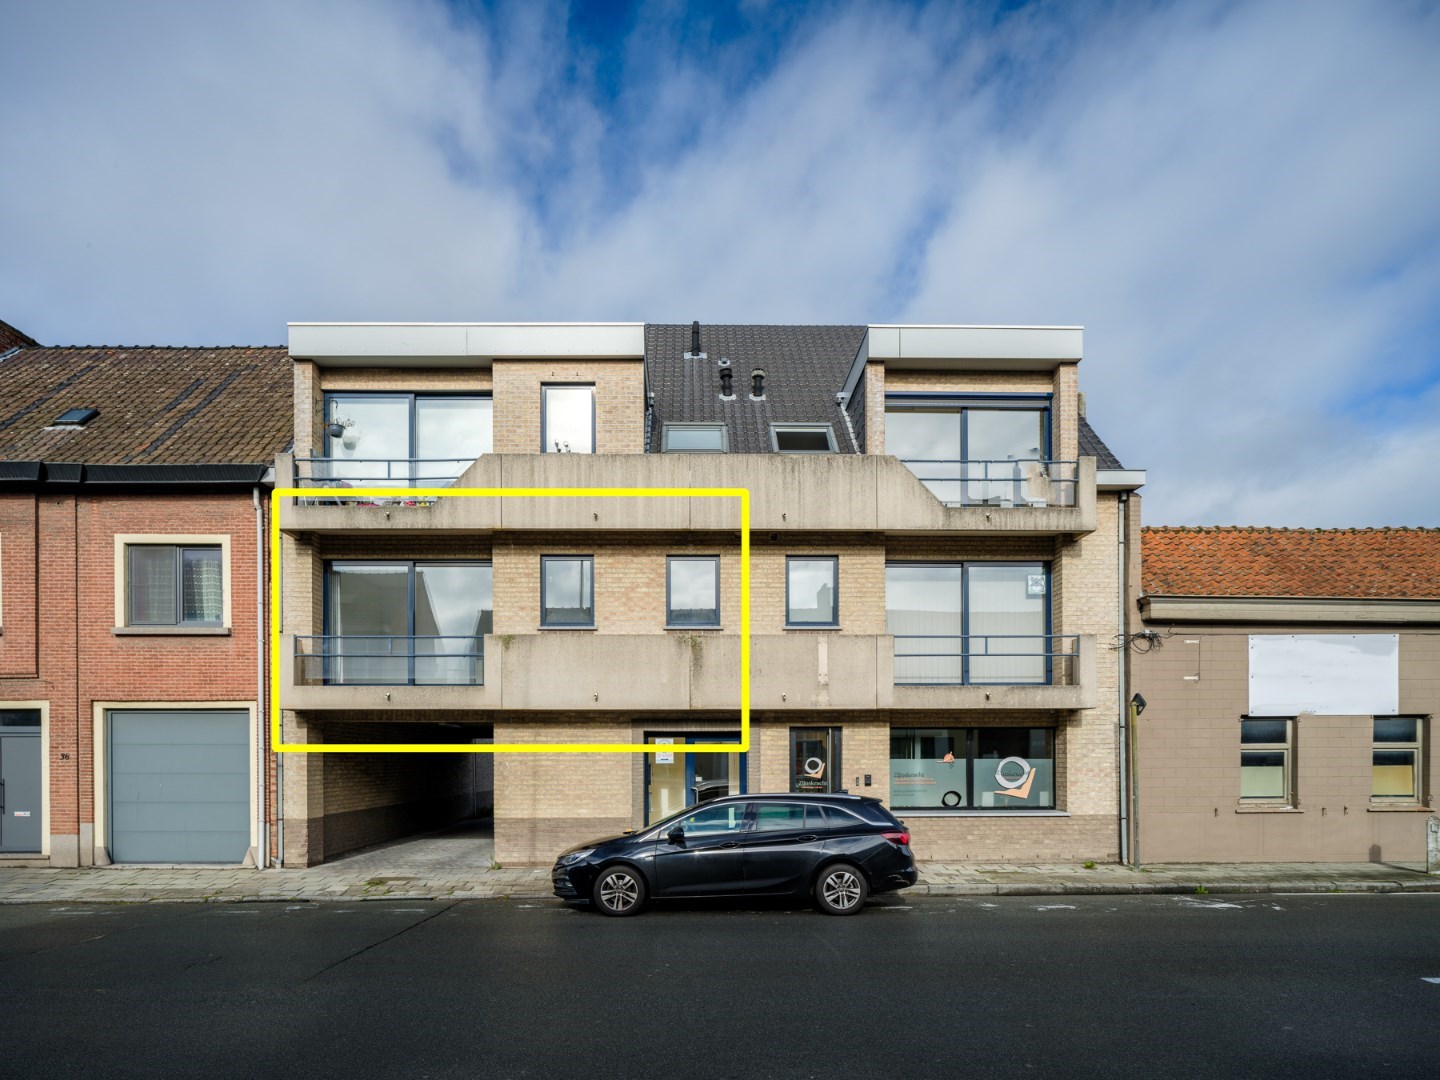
(76, 417)
(802, 438)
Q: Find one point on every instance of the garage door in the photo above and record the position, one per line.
(179, 786)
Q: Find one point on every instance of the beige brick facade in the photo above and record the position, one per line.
(546, 801)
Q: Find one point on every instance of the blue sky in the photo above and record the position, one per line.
(1237, 200)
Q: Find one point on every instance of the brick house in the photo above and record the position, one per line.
(939, 552)
(131, 686)
(1291, 678)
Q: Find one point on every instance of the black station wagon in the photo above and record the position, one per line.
(836, 848)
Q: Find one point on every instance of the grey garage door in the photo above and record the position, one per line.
(179, 786)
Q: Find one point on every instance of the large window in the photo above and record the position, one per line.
(398, 623)
(1395, 759)
(404, 440)
(174, 585)
(812, 591)
(963, 623)
(567, 591)
(974, 451)
(1265, 759)
(568, 419)
(692, 590)
(1001, 768)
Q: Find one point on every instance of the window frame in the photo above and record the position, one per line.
(545, 388)
(1417, 746)
(688, 425)
(413, 397)
(969, 741)
(963, 402)
(670, 623)
(179, 541)
(834, 561)
(834, 767)
(1288, 796)
(827, 429)
(589, 560)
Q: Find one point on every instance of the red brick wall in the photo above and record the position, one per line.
(57, 557)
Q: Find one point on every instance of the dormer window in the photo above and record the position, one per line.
(802, 438)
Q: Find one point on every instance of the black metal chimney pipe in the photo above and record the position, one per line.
(695, 338)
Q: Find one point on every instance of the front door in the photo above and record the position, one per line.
(702, 852)
(676, 779)
(20, 788)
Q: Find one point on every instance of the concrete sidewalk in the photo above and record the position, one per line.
(369, 878)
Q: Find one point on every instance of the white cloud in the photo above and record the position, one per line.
(1237, 201)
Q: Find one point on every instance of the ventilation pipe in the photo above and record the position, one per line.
(757, 384)
(695, 338)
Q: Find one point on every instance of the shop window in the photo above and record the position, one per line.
(567, 591)
(1265, 759)
(1395, 759)
(692, 590)
(174, 585)
(812, 591)
(815, 759)
(1002, 768)
(567, 422)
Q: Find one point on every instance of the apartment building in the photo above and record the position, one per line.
(131, 629)
(938, 553)
(1290, 678)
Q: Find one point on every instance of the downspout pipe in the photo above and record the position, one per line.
(1124, 703)
(262, 830)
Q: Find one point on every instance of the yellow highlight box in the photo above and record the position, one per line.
(743, 494)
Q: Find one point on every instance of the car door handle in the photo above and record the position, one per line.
(808, 837)
(729, 843)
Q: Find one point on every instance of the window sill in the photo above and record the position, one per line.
(591, 628)
(1276, 809)
(912, 812)
(709, 629)
(811, 626)
(170, 631)
(1398, 808)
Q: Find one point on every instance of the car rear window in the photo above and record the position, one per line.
(834, 818)
(773, 816)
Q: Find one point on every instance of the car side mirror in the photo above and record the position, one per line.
(676, 835)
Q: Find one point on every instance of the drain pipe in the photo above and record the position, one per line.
(262, 831)
(1124, 706)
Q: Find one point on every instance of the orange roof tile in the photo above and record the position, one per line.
(1329, 563)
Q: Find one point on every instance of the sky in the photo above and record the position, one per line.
(1240, 202)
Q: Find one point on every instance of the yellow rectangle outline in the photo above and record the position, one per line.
(743, 746)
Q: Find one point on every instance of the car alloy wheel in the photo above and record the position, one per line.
(619, 891)
(841, 890)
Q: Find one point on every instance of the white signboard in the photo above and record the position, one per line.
(1324, 674)
(665, 757)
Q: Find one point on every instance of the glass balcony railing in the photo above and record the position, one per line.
(380, 660)
(1004, 483)
(986, 660)
(336, 474)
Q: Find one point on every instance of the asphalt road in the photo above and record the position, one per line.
(1195, 987)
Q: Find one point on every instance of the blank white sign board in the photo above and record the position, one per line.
(1324, 674)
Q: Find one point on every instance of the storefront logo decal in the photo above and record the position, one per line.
(1019, 787)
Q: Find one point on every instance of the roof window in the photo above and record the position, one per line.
(802, 438)
(694, 439)
(76, 417)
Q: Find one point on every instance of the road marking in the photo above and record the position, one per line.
(1056, 907)
(1430, 979)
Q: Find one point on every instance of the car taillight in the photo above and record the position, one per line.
(901, 838)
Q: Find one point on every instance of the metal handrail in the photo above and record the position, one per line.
(333, 653)
(1055, 485)
(1059, 654)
